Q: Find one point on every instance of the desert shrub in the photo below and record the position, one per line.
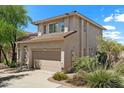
(13, 64)
(119, 68)
(9, 63)
(60, 76)
(102, 58)
(104, 79)
(76, 80)
(79, 79)
(87, 64)
(110, 50)
(6, 63)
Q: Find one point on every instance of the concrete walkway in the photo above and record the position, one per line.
(28, 79)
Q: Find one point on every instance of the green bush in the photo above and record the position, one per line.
(102, 59)
(110, 51)
(119, 68)
(87, 64)
(60, 76)
(104, 79)
(4, 62)
(10, 64)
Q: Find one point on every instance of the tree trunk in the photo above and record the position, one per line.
(7, 62)
(14, 53)
(14, 47)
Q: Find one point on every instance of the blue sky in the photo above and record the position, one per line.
(111, 17)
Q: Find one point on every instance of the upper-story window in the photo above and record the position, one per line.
(44, 29)
(53, 27)
(56, 27)
(62, 26)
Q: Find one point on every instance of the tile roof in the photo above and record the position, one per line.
(28, 36)
(49, 37)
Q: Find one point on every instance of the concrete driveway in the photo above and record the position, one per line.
(28, 79)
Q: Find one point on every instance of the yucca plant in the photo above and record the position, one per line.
(104, 79)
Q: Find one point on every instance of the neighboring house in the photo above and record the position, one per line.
(60, 40)
(27, 36)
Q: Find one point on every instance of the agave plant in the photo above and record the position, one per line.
(104, 79)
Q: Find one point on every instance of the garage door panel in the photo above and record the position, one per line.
(47, 60)
(50, 65)
(47, 55)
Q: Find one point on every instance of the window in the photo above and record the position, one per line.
(25, 55)
(53, 28)
(56, 27)
(44, 29)
(62, 26)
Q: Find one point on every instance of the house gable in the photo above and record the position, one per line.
(70, 21)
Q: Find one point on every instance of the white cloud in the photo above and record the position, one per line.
(108, 27)
(119, 17)
(108, 19)
(114, 35)
(117, 10)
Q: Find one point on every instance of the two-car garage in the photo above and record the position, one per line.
(47, 59)
(50, 52)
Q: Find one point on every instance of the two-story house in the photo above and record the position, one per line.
(60, 40)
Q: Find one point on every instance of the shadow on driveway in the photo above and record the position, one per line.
(7, 78)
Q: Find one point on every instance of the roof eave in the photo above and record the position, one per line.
(27, 42)
(50, 19)
(69, 14)
(90, 20)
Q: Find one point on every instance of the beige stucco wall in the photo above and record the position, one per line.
(38, 46)
(70, 22)
(90, 38)
(71, 44)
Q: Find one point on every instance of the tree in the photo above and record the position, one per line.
(17, 18)
(112, 50)
(4, 38)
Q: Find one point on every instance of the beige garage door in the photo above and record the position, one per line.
(47, 60)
